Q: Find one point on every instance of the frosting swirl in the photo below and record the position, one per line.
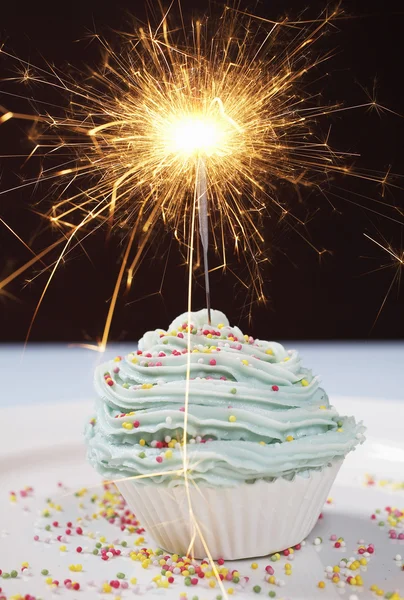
(253, 411)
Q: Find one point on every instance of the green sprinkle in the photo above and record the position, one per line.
(46, 513)
(381, 523)
(378, 511)
(48, 528)
(120, 575)
(14, 573)
(340, 423)
(142, 455)
(44, 572)
(95, 551)
(274, 558)
(124, 543)
(219, 597)
(98, 545)
(388, 595)
(187, 581)
(165, 341)
(236, 579)
(233, 391)
(195, 598)
(5, 575)
(159, 552)
(163, 572)
(272, 594)
(191, 570)
(257, 589)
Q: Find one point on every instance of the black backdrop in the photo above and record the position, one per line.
(337, 298)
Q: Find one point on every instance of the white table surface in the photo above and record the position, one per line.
(53, 373)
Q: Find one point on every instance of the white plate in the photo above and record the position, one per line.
(42, 445)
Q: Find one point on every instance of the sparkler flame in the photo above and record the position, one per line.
(228, 92)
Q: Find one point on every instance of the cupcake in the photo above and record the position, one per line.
(263, 445)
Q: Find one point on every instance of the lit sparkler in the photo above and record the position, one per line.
(216, 115)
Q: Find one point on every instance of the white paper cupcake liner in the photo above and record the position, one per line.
(238, 522)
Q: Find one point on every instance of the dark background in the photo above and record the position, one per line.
(336, 298)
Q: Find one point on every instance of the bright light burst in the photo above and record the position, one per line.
(127, 150)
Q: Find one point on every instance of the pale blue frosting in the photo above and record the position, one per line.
(253, 411)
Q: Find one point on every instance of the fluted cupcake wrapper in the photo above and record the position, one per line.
(236, 522)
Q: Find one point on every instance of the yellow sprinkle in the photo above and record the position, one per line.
(262, 443)
(352, 581)
(336, 569)
(209, 335)
(380, 593)
(135, 360)
(271, 579)
(185, 573)
(127, 425)
(323, 407)
(232, 419)
(220, 326)
(147, 386)
(269, 351)
(335, 579)
(117, 359)
(212, 583)
(230, 591)
(25, 564)
(286, 359)
(363, 562)
(62, 548)
(321, 584)
(145, 563)
(374, 588)
(195, 351)
(254, 565)
(340, 430)
(103, 539)
(289, 438)
(304, 382)
(106, 588)
(168, 454)
(288, 566)
(142, 442)
(49, 580)
(133, 581)
(244, 361)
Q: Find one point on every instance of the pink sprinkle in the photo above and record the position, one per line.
(36, 538)
(136, 424)
(148, 355)
(124, 585)
(269, 569)
(333, 537)
(159, 459)
(110, 382)
(182, 409)
(393, 535)
(212, 362)
(116, 370)
(401, 536)
(159, 364)
(275, 388)
(180, 335)
(162, 354)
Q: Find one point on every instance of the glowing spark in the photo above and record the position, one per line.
(397, 261)
(225, 94)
